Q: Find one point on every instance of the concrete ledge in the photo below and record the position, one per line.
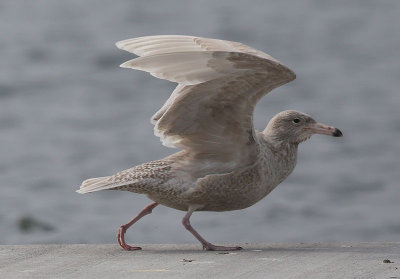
(321, 260)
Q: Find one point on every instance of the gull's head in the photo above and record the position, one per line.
(293, 127)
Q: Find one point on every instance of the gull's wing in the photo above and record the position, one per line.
(210, 113)
(151, 45)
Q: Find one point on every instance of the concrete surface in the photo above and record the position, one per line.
(354, 260)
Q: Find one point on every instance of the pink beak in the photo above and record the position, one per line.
(319, 128)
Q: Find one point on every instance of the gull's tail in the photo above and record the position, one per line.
(140, 179)
(96, 184)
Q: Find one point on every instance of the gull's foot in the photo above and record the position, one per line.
(212, 247)
(127, 247)
(121, 240)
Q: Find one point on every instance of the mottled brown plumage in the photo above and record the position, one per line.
(224, 164)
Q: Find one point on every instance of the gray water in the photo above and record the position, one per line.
(68, 113)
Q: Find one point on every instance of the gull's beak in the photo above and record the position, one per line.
(319, 128)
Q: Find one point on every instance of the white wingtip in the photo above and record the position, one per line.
(124, 65)
(132, 64)
(118, 44)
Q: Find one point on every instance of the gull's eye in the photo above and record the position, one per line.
(296, 120)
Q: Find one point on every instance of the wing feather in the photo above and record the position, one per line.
(166, 105)
(214, 120)
(210, 112)
(185, 67)
(151, 45)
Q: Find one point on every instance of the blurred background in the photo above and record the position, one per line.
(68, 113)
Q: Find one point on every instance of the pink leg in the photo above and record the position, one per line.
(121, 231)
(206, 245)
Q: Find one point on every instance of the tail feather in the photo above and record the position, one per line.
(139, 179)
(97, 184)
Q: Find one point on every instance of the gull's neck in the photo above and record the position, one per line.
(278, 158)
(276, 143)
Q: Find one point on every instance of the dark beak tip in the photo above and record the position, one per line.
(337, 133)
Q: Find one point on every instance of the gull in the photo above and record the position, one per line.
(223, 163)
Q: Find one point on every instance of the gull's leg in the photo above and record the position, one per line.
(206, 245)
(124, 228)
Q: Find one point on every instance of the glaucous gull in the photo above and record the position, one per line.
(224, 163)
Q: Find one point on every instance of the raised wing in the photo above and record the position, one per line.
(210, 113)
(151, 45)
(191, 67)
